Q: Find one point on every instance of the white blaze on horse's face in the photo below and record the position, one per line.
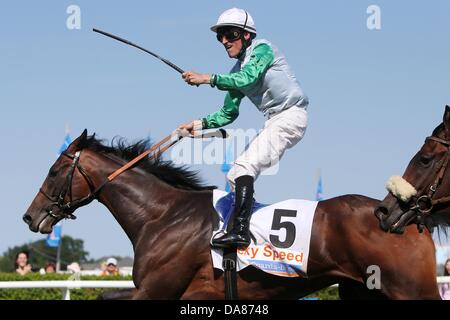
(401, 188)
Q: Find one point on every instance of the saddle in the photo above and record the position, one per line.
(225, 206)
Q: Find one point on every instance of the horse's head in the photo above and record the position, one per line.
(422, 195)
(66, 188)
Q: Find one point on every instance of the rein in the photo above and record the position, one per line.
(66, 209)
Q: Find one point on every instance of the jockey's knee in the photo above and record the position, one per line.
(241, 168)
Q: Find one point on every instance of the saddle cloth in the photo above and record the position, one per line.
(281, 235)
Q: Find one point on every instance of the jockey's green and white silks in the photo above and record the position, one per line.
(262, 75)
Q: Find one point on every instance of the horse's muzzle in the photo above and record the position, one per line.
(27, 219)
(394, 222)
(382, 213)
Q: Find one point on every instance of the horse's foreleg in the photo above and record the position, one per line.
(123, 294)
(167, 282)
(424, 288)
(163, 284)
(354, 290)
(204, 285)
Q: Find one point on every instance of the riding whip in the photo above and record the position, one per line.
(170, 64)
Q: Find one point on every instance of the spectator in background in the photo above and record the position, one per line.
(74, 267)
(21, 264)
(111, 268)
(444, 288)
(103, 267)
(50, 267)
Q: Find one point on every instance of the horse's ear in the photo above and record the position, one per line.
(83, 135)
(78, 143)
(447, 118)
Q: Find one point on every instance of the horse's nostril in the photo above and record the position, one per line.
(382, 210)
(27, 218)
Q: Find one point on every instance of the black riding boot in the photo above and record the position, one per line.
(239, 236)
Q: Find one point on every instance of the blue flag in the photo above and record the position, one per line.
(319, 192)
(65, 145)
(54, 238)
(226, 165)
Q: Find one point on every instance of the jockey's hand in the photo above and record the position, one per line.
(195, 79)
(188, 126)
(194, 127)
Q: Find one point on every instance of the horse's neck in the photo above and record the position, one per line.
(127, 204)
(134, 198)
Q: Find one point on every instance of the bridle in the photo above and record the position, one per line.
(66, 208)
(425, 203)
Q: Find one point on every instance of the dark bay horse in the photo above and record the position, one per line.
(168, 216)
(428, 176)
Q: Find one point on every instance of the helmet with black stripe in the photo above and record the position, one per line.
(235, 18)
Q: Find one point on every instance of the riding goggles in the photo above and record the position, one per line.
(230, 34)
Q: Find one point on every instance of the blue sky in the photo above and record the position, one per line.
(374, 95)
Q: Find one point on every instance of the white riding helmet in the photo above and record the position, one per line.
(237, 18)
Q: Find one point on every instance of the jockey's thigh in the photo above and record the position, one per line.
(281, 132)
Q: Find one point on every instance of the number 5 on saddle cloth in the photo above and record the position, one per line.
(281, 235)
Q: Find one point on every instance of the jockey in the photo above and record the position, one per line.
(262, 74)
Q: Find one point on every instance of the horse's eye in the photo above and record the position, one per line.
(52, 172)
(425, 160)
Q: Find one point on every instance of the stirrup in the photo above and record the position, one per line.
(239, 242)
(218, 234)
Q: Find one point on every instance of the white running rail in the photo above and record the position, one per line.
(67, 285)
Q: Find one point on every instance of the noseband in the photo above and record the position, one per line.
(425, 203)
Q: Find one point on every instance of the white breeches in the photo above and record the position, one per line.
(281, 132)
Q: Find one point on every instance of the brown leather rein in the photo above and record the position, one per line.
(66, 208)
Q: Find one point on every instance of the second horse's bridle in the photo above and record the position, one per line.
(425, 203)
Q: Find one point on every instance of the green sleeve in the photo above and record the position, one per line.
(261, 59)
(227, 114)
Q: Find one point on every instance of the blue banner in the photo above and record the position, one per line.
(319, 192)
(226, 166)
(54, 238)
(65, 145)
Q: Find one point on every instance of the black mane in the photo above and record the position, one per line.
(177, 176)
(439, 221)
